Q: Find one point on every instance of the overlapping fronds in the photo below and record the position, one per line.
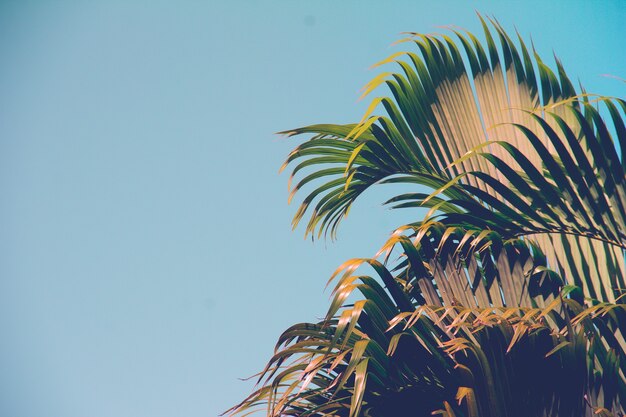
(410, 345)
(506, 299)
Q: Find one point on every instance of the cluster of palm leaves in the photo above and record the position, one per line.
(506, 298)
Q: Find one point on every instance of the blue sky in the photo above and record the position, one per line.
(147, 259)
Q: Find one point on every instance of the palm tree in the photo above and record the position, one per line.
(506, 298)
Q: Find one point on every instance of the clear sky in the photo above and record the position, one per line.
(147, 259)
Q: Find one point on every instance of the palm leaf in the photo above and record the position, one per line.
(498, 156)
(393, 352)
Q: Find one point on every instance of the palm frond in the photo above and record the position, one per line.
(493, 153)
(392, 351)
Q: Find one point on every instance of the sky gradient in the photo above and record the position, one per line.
(147, 257)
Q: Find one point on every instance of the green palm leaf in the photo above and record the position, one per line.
(498, 156)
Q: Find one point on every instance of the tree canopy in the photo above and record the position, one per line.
(506, 298)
